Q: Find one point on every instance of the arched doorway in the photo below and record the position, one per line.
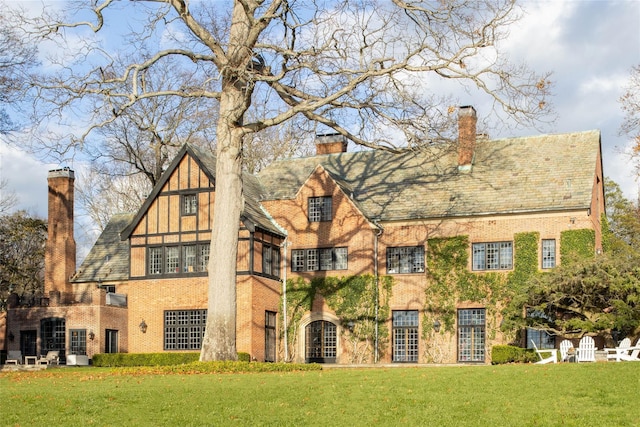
(320, 342)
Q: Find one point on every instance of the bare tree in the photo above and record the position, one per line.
(8, 198)
(17, 56)
(367, 70)
(630, 103)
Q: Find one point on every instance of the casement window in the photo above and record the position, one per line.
(184, 329)
(319, 259)
(548, 253)
(189, 204)
(155, 260)
(405, 335)
(471, 335)
(408, 259)
(320, 209)
(271, 260)
(492, 256)
(78, 342)
(269, 336)
(172, 256)
(191, 258)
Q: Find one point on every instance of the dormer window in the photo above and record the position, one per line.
(320, 209)
(189, 204)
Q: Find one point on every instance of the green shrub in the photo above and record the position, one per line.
(501, 354)
(144, 359)
(244, 357)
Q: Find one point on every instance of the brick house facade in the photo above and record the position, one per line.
(336, 215)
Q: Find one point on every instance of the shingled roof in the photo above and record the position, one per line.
(515, 175)
(109, 256)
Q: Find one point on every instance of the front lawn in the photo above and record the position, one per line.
(602, 394)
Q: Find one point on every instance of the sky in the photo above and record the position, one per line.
(590, 47)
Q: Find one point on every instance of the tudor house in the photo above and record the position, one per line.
(317, 223)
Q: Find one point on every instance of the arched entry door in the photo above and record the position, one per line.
(320, 342)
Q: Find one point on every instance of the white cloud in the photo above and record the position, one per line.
(27, 177)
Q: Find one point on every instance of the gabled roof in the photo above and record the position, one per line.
(515, 175)
(206, 160)
(109, 256)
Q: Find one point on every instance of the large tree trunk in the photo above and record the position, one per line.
(219, 342)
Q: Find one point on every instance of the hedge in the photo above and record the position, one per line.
(510, 354)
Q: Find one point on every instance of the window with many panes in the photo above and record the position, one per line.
(320, 342)
(184, 329)
(78, 342)
(189, 204)
(188, 258)
(320, 209)
(548, 253)
(409, 259)
(405, 335)
(172, 256)
(492, 256)
(471, 335)
(155, 260)
(319, 259)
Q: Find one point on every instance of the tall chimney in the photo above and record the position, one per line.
(60, 253)
(330, 143)
(467, 121)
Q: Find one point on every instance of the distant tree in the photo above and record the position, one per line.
(630, 103)
(623, 220)
(8, 198)
(22, 241)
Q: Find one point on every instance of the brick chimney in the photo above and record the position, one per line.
(467, 121)
(330, 143)
(60, 253)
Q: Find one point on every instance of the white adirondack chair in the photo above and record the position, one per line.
(552, 356)
(565, 346)
(624, 351)
(616, 353)
(586, 350)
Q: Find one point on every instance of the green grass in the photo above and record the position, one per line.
(599, 394)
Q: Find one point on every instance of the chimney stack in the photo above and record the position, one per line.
(330, 143)
(467, 121)
(60, 253)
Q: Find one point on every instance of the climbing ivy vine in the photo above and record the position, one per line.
(353, 299)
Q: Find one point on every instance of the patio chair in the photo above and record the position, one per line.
(552, 356)
(586, 350)
(52, 358)
(565, 351)
(14, 357)
(615, 353)
(624, 351)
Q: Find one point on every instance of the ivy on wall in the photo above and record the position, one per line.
(353, 299)
(449, 280)
(577, 244)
